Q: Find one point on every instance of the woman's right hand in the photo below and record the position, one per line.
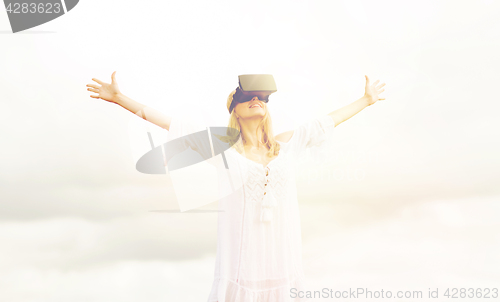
(107, 92)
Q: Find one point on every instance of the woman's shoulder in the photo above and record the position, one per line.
(284, 137)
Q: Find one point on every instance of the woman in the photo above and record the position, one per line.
(259, 236)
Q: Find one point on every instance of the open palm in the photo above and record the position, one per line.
(372, 91)
(107, 92)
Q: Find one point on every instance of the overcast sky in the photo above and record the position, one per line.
(75, 214)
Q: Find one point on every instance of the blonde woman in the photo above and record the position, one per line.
(258, 237)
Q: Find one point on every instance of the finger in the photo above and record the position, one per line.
(93, 90)
(381, 99)
(381, 91)
(94, 96)
(100, 82)
(380, 86)
(375, 83)
(92, 85)
(113, 79)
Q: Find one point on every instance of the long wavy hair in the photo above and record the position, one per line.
(265, 125)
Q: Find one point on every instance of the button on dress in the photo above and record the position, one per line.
(259, 247)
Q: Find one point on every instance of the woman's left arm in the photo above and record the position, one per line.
(371, 96)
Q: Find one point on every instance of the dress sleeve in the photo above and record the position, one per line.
(195, 182)
(184, 134)
(315, 132)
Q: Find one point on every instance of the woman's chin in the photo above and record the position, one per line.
(257, 115)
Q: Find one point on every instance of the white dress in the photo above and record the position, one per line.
(259, 257)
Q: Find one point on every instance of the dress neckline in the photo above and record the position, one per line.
(256, 163)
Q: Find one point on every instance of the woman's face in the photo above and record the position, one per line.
(252, 109)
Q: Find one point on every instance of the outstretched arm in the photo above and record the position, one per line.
(343, 114)
(371, 97)
(149, 114)
(111, 93)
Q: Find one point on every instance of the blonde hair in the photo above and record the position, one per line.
(267, 138)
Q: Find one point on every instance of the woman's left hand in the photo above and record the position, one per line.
(372, 91)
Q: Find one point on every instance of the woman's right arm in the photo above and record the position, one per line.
(112, 94)
(149, 114)
(178, 128)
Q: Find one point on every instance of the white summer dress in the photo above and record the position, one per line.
(259, 247)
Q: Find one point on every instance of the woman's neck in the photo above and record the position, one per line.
(251, 133)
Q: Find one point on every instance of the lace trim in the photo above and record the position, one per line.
(227, 290)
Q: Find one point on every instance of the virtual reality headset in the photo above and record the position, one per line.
(251, 85)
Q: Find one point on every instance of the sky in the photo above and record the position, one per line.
(408, 198)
